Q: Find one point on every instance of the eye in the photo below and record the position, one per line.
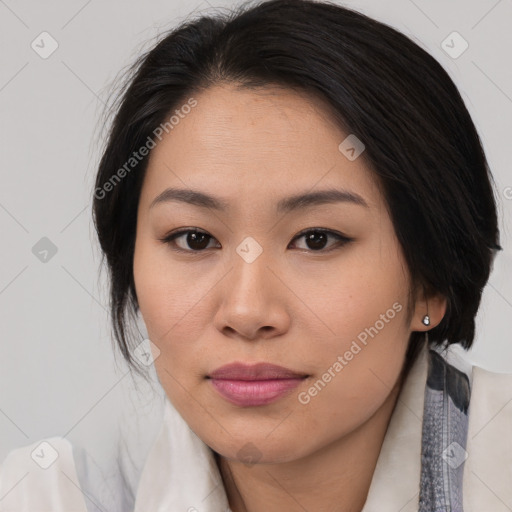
(195, 239)
(316, 239)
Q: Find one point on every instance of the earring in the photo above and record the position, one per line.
(426, 320)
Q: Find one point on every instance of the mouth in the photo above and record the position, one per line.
(254, 385)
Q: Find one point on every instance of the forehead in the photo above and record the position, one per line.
(264, 140)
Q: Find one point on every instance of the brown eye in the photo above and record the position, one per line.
(317, 239)
(192, 240)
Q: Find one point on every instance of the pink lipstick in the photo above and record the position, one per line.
(252, 385)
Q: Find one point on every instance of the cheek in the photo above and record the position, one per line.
(359, 362)
(166, 294)
(351, 397)
(174, 305)
(358, 366)
(363, 298)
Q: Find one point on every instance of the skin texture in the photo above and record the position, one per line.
(293, 305)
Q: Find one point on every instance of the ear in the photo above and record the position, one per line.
(433, 302)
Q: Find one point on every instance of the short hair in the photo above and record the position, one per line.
(420, 141)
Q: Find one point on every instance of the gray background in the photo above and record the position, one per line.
(58, 373)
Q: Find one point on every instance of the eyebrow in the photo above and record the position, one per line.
(287, 204)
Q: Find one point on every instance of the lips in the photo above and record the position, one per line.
(254, 385)
(259, 371)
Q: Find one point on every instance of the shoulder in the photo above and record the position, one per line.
(490, 393)
(488, 471)
(41, 476)
(490, 387)
(491, 397)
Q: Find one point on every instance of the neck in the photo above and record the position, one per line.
(336, 477)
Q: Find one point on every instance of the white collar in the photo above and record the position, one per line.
(180, 472)
(392, 488)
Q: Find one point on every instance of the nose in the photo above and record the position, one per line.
(252, 300)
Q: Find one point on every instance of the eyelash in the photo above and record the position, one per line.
(170, 238)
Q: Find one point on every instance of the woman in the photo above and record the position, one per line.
(295, 199)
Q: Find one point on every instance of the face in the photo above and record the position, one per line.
(319, 287)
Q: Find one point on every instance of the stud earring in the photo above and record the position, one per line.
(426, 318)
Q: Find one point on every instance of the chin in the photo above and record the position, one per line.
(251, 451)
